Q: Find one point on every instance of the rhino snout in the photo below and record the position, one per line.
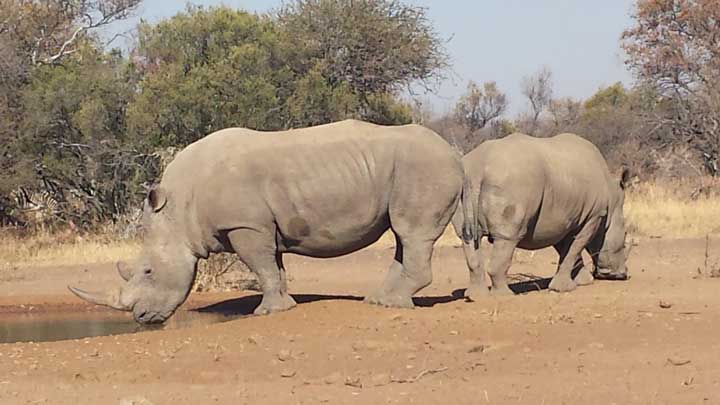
(149, 317)
(609, 275)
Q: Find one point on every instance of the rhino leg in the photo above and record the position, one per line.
(477, 288)
(581, 273)
(409, 273)
(570, 253)
(259, 252)
(500, 260)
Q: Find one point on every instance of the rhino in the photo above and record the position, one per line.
(532, 193)
(322, 191)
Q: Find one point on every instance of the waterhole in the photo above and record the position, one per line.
(44, 327)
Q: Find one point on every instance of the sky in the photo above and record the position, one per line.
(501, 41)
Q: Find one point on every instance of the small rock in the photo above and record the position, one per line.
(284, 355)
(353, 382)
(288, 373)
(477, 349)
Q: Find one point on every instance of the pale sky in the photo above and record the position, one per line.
(503, 41)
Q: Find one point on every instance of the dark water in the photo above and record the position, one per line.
(53, 327)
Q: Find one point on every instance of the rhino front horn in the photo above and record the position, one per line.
(108, 299)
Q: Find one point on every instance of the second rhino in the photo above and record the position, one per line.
(532, 193)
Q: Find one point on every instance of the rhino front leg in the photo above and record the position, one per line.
(570, 251)
(409, 273)
(259, 252)
(581, 273)
(500, 261)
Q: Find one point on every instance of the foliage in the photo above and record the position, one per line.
(204, 70)
(674, 48)
(480, 105)
(375, 46)
(360, 53)
(92, 128)
(538, 89)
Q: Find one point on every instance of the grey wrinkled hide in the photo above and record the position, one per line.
(323, 192)
(533, 193)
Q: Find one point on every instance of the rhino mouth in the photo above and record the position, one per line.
(150, 317)
(608, 275)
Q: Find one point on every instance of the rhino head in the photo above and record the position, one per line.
(160, 280)
(610, 253)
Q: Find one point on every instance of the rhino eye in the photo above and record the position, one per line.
(148, 271)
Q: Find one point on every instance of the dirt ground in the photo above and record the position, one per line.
(650, 340)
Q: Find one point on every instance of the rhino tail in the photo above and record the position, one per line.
(470, 203)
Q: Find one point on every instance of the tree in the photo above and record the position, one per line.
(73, 139)
(50, 30)
(479, 106)
(565, 114)
(370, 48)
(208, 69)
(42, 40)
(538, 89)
(674, 48)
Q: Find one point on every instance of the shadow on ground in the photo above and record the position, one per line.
(246, 305)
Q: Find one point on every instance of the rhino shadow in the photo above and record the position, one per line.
(521, 287)
(246, 305)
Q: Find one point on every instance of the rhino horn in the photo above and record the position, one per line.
(108, 299)
(124, 270)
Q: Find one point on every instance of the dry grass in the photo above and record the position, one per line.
(670, 209)
(666, 209)
(44, 248)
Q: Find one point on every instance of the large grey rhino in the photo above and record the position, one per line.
(323, 191)
(533, 193)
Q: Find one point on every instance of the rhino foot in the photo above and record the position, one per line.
(275, 303)
(390, 301)
(562, 284)
(476, 292)
(584, 277)
(501, 291)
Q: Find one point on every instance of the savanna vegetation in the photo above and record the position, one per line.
(86, 125)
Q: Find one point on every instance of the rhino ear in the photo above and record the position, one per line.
(157, 198)
(625, 178)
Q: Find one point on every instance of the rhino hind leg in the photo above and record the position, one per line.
(477, 289)
(409, 273)
(259, 253)
(500, 261)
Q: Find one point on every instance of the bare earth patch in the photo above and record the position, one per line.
(651, 339)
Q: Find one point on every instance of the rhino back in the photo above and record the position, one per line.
(326, 188)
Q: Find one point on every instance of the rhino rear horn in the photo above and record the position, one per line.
(124, 270)
(108, 299)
